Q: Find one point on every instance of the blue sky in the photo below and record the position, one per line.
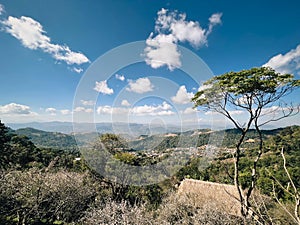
(47, 47)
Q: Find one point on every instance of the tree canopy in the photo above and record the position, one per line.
(249, 90)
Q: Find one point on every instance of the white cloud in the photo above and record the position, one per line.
(65, 112)
(2, 10)
(14, 108)
(102, 87)
(120, 77)
(204, 87)
(211, 113)
(272, 110)
(159, 110)
(32, 35)
(189, 110)
(231, 112)
(236, 112)
(243, 100)
(189, 31)
(89, 110)
(83, 109)
(163, 109)
(52, 111)
(214, 20)
(141, 85)
(125, 103)
(171, 28)
(111, 110)
(182, 96)
(77, 70)
(286, 63)
(161, 50)
(87, 102)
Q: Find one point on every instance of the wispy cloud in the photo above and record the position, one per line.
(102, 87)
(141, 85)
(65, 112)
(286, 63)
(33, 36)
(77, 70)
(171, 28)
(83, 109)
(87, 102)
(182, 96)
(2, 10)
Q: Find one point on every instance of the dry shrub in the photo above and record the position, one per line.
(45, 196)
(280, 216)
(111, 212)
(184, 209)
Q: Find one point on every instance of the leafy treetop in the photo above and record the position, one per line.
(249, 90)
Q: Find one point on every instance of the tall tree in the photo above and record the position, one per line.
(257, 92)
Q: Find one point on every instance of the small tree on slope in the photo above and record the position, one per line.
(259, 93)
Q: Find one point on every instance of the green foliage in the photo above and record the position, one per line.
(270, 166)
(18, 152)
(257, 85)
(54, 140)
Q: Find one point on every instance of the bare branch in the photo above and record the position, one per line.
(285, 209)
(285, 115)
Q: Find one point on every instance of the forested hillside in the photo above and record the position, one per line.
(48, 139)
(55, 186)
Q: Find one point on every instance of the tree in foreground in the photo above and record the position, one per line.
(257, 92)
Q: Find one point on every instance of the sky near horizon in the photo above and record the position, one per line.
(49, 48)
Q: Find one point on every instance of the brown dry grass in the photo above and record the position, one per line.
(224, 196)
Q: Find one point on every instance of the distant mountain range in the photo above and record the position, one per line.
(132, 129)
(158, 141)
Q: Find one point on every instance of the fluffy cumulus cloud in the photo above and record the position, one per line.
(125, 103)
(120, 77)
(182, 96)
(171, 28)
(163, 109)
(103, 88)
(189, 110)
(159, 110)
(160, 52)
(141, 85)
(52, 111)
(33, 36)
(286, 63)
(15, 109)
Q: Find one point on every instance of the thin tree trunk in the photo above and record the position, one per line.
(254, 169)
(236, 174)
